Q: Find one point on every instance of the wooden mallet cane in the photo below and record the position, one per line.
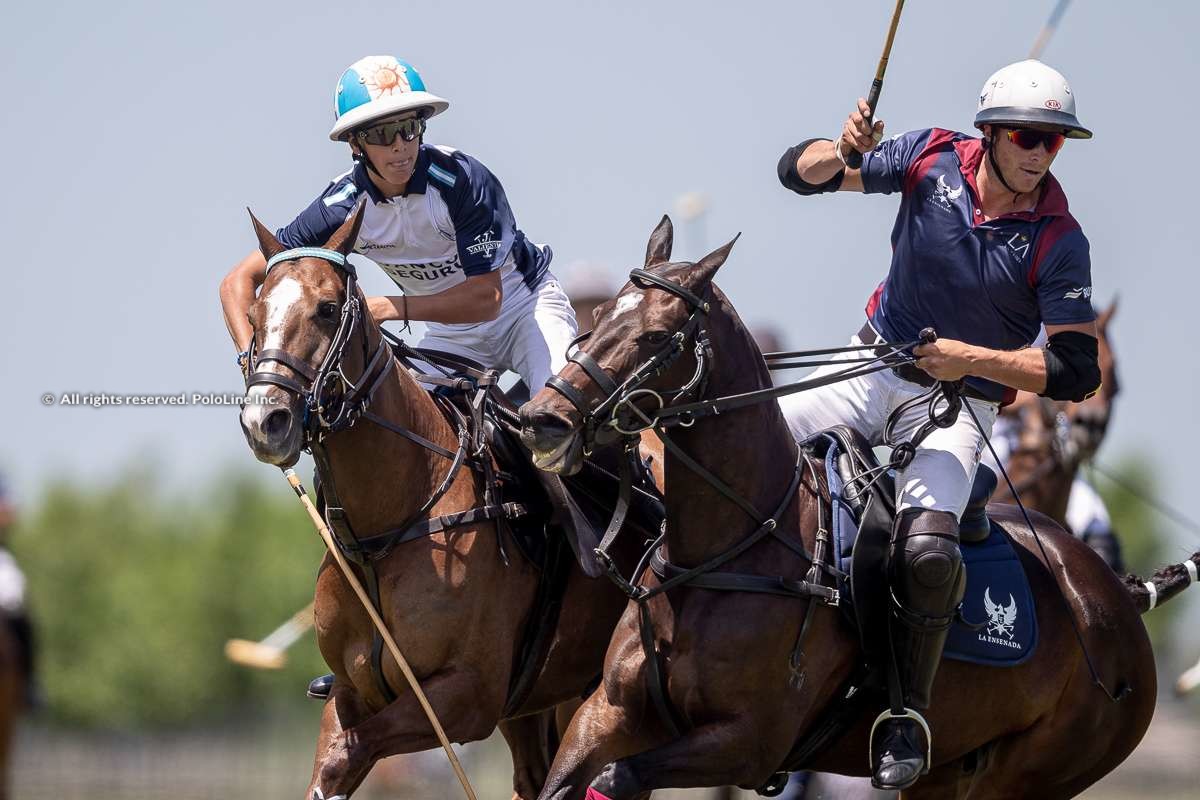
(357, 586)
(854, 160)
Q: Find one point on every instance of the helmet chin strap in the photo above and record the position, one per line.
(987, 145)
(996, 168)
(361, 155)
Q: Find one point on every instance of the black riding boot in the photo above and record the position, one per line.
(927, 581)
(22, 630)
(319, 688)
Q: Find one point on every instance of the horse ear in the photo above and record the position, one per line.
(267, 242)
(343, 238)
(707, 267)
(1107, 314)
(658, 249)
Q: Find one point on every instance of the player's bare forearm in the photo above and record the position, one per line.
(237, 296)
(477, 299)
(1025, 369)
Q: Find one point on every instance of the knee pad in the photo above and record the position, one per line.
(926, 569)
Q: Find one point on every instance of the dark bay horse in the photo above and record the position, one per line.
(12, 701)
(454, 604)
(735, 708)
(1056, 438)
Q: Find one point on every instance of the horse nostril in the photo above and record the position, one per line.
(277, 423)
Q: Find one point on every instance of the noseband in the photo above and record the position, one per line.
(332, 402)
(617, 415)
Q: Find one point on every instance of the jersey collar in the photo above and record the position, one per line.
(1051, 203)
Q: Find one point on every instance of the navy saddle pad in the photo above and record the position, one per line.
(997, 598)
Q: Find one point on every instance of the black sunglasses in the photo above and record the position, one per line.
(385, 133)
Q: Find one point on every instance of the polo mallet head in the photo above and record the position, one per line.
(271, 652)
(1188, 681)
(255, 655)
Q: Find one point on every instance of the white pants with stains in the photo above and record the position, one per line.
(530, 337)
(940, 474)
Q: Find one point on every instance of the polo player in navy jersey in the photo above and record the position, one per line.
(984, 251)
(438, 223)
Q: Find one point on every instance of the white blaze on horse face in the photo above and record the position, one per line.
(625, 303)
(279, 302)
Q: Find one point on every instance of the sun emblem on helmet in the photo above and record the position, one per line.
(386, 78)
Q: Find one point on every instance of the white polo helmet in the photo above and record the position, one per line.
(375, 87)
(1030, 94)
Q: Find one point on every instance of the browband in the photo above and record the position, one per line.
(332, 256)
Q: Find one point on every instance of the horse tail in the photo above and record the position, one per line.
(1163, 585)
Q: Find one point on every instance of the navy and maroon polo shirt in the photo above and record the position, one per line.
(992, 283)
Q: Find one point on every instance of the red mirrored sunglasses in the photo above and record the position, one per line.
(1028, 139)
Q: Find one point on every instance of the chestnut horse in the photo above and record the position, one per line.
(736, 702)
(1056, 438)
(455, 603)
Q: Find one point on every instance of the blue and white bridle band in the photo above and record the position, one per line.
(332, 256)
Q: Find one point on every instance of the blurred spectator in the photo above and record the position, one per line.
(12, 595)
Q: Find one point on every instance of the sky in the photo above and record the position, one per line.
(136, 134)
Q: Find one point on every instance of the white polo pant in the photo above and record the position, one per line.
(940, 474)
(530, 337)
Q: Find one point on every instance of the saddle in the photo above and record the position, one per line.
(997, 624)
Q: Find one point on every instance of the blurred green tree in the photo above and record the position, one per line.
(135, 591)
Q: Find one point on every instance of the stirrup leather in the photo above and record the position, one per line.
(908, 714)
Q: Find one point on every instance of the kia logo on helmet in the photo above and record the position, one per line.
(1052, 103)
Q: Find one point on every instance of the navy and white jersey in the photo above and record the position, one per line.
(992, 283)
(452, 221)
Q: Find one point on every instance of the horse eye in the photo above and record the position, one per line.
(655, 337)
(327, 310)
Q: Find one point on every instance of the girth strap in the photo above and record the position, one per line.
(739, 582)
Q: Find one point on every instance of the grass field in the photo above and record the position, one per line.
(271, 760)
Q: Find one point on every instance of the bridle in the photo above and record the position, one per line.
(332, 402)
(1068, 442)
(617, 415)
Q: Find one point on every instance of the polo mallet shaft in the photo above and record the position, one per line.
(271, 652)
(1048, 29)
(357, 586)
(854, 160)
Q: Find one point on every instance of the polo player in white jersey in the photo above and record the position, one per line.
(438, 223)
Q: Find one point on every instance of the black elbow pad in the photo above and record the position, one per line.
(1072, 366)
(792, 180)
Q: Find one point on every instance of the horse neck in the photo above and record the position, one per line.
(750, 449)
(382, 478)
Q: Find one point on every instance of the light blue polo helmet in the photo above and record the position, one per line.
(375, 87)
